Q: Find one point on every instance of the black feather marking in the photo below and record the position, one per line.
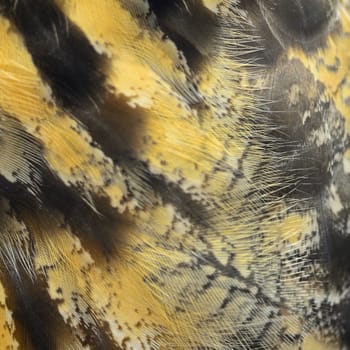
(302, 151)
(268, 49)
(98, 231)
(33, 309)
(195, 211)
(191, 27)
(303, 22)
(344, 312)
(63, 55)
(37, 314)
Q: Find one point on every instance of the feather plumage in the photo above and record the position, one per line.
(174, 174)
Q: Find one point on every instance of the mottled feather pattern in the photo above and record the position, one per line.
(175, 174)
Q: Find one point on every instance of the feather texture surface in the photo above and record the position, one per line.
(174, 174)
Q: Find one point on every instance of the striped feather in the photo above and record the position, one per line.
(174, 174)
